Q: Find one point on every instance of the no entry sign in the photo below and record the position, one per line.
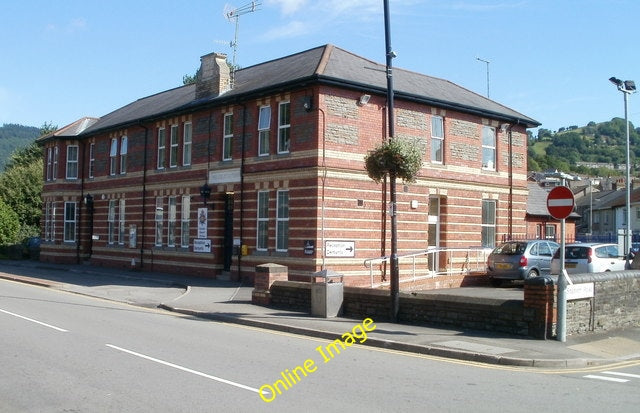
(560, 202)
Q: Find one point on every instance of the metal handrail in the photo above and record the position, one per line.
(479, 264)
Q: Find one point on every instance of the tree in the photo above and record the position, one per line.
(9, 225)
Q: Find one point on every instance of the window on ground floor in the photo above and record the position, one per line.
(488, 223)
(69, 221)
(282, 221)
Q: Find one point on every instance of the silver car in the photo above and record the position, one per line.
(589, 257)
(519, 260)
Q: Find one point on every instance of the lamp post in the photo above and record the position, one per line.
(487, 63)
(627, 87)
(395, 271)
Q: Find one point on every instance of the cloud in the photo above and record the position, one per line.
(292, 29)
(73, 26)
(288, 6)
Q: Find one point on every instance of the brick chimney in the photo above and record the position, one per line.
(213, 79)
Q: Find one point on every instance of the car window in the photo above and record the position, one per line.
(511, 248)
(613, 251)
(544, 249)
(602, 252)
(534, 249)
(575, 253)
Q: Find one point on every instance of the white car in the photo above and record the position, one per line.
(582, 258)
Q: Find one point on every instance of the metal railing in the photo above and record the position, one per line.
(412, 266)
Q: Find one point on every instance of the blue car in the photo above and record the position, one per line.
(519, 260)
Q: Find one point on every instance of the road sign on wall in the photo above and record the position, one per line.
(560, 202)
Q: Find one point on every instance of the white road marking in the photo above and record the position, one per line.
(616, 373)
(33, 321)
(593, 376)
(188, 370)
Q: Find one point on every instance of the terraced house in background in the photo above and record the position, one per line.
(266, 165)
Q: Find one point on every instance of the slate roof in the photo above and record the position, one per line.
(537, 202)
(73, 129)
(325, 64)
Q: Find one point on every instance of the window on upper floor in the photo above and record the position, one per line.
(284, 127)
(113, 156)
(49, 163)
(54, 172)
(173, 150)
(489, 148)
(72, 162)
(92, 159)
(437, 139)
(187, 139)
(227, 139)
(124, 149)
(162, 147)
(264, 126)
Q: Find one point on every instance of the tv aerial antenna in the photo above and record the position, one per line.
(233, 14)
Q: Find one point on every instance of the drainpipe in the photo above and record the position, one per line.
(242, 161)
(144, 194)
(80, 204)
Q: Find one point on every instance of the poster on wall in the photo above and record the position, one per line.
(202, 222)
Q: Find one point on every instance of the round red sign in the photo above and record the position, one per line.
(560, 202)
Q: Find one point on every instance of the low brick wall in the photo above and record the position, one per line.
(504, 316)
(616, 304)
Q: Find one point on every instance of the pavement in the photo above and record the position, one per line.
(230, 302)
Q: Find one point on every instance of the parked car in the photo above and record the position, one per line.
(589, 257)
(31, 248)
(519, 260)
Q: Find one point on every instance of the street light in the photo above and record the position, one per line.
(627, 87)
(487, 63)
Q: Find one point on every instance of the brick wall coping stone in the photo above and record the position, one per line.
(604, 276)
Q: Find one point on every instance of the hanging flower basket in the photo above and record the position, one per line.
(400, 158)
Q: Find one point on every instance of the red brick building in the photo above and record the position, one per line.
(219, 176)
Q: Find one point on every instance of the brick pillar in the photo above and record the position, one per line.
(265, 275)
(540, 306)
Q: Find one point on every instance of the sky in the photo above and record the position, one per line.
(548, 59)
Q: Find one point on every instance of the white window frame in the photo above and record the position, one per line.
(92, 159)
(187, 142)
(488, 223)
(185, 221)
(262, 218)
(264, 130)
(159, 218)
(72, 162)
(282, 220)
(162, 148)
(121, 221)
(489, 148)
(70, 219)
(284, 127)
(437, 139)
(111, 222)
(227, 138)
(124, 149)
(173, 146)
(56, 153)
(113, 156)
(49, 163)
(171, 220)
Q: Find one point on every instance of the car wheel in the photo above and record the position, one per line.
(532, 274)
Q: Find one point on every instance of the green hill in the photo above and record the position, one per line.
(595, 149)
(14, 136)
